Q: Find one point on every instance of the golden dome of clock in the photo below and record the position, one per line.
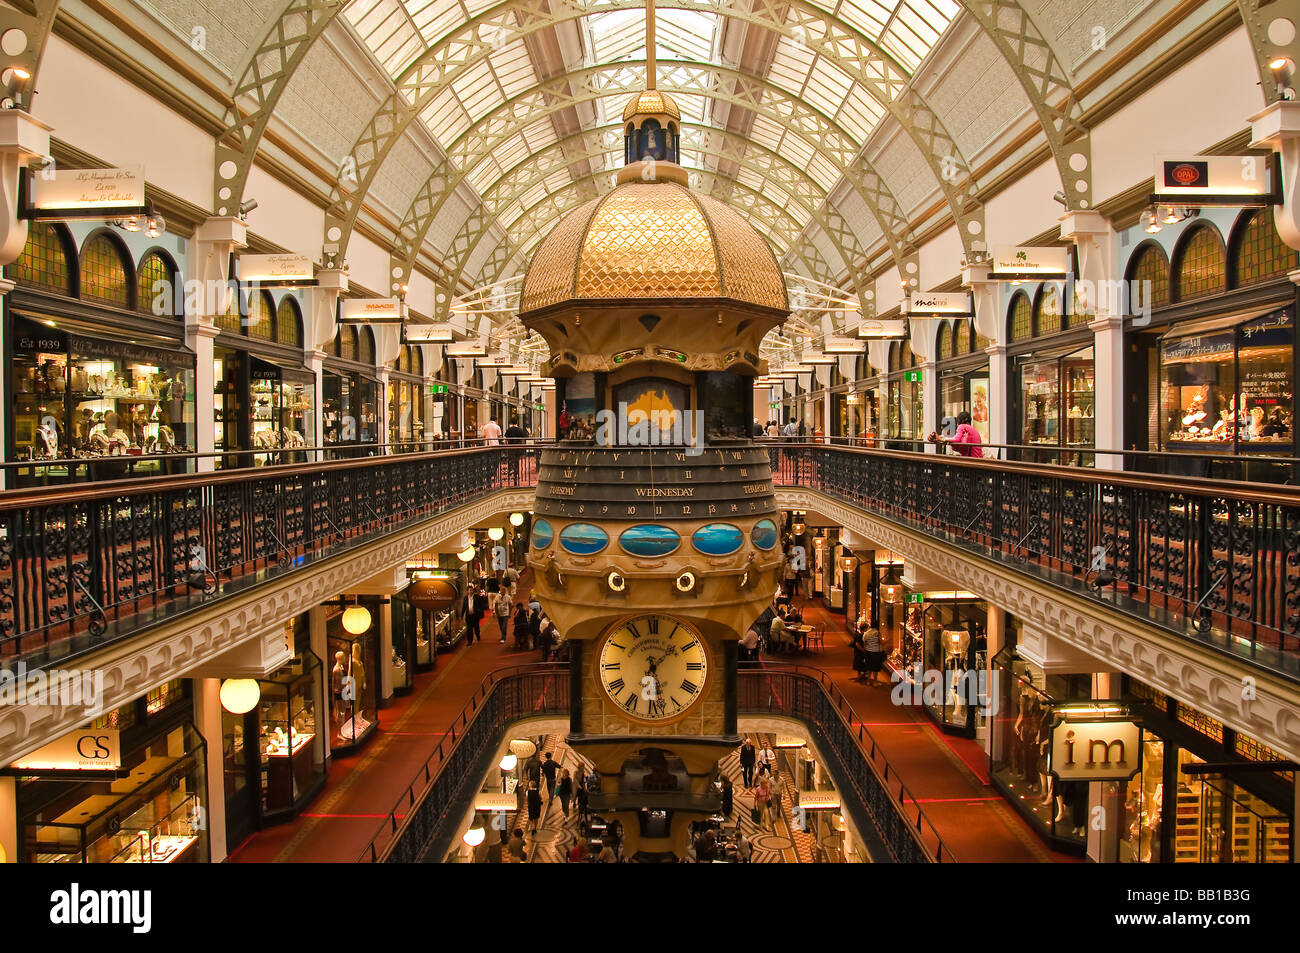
(657, 240)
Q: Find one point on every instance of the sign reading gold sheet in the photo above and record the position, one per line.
(82, 190)
(89, 749)
(1096, 750)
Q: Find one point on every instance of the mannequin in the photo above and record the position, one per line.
(358, 672)
(336, 688)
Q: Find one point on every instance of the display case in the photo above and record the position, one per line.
(905, 411)
(954, 645)
(353, 682)
(97, 397)
(155, 814)
(1057, 405)
(291, 748)
(282, 404)
(348, 409)
(1227, 386)
(966, 391)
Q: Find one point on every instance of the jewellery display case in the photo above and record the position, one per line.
(1058, 404)
(155, 814)
(291, 748)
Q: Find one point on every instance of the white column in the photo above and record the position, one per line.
(1098, 290)
(209, 289)
(200, 333)
(1278, 127)
(384, 436)
(319, 327)
(316, 361)
(22, 139)
(989, 323)
(320, 648)
(207, 719)
(994, 639)
(385, 649)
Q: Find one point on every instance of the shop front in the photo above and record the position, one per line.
(353, 653)
(141, 801)
(1055, 403)
(953, 630)
(406, 399)
(105, 395)
(902, 400)
(273, 756)
(350, 393)
(963, 370)
(1204, 794)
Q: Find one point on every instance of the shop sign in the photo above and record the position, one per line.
(819, 800)
(913, 377)
(428, 334)
(1212, 180)
(839, 346)
(267, 269)
(874, 328)
(1102, 750)
(82, 191)
(89, 749)
(496, 801)
(371, 310)
(467, 349)
(1029, 261)
(435, 593)
(944, 303)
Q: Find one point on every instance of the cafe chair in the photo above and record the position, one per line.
(817, 639)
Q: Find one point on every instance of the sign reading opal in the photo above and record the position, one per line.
(1245, 181)
(649, 540)
(74, 192)
(371, 310)
(943, 303)
(718, 539)
(583, 539)
(276, 269)
(1020, 262)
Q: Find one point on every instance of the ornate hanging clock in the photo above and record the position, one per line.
(654, 667)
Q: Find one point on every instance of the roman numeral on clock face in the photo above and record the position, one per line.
(690, 645)
(689, 687)
(654, 625)
(610, 666)
(616, 686)
(694, 666)
(632, 699)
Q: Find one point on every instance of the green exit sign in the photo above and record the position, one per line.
(912, 377)
(437, 388)
(915, 598)
(538, 407)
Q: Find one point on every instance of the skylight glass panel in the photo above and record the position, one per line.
(485, 173)
(435, 20)
(866, 15)
(826, 89)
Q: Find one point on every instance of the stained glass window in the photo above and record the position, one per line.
(945, 342)
(965, 339)
(345, 343)
(103, 272)
(288, 325)
(1261, 253)
(1047, 319)
(1201, 269)
(44, 260)
(982, 343)
(905, 358)
(231, 321)
(154, 283)
(1021, 318)
(365, 346)
(1198, 720)
(1150, 270)
(261, 317)
(417, 361)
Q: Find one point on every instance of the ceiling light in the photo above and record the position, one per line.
(247, 206)
(156, 225)
(1173, 215)
(239, 695)
(466, 554)
(516, 519)
(495, 534)
(1150, 222)
(356, 620)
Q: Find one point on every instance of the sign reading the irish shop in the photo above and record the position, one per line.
(921, 303)
(1213, 180)
(1018, 262)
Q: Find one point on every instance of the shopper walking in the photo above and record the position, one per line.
(762, 797)
(478, 610)
(728, 796)
(521, 627)
(873, 653)
(503, 615)
(565, 791)
(775, 787)
(748, 758)
(550, 769)
(534, 805)
(581, 798)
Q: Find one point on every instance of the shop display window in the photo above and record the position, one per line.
(1141, 823)
(291, 748)
(954, 644)
(904, 414)
(353, 683)
(1058, 404)
(282, 407)
(1228, 387)
(1219, 822)
(348, 405)
(76, 396)
(153, 815)
(968, 392)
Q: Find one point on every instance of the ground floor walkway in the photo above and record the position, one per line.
(947, 775)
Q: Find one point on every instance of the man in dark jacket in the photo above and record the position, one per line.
(748, 758)
(478, 606)
(550, 768)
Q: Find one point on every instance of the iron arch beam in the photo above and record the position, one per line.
(803, 191)
(1258, 16)
(35, 28)
(478, 142)
(862, 59)
(266, 72)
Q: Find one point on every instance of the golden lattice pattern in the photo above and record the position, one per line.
(653, 240)
(749, 269)
(651, 102)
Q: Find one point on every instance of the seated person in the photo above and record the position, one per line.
(779, 639)
(794, 616)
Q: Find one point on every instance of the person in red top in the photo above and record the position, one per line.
(965, 441)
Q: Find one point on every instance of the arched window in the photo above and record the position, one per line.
(905, 357)
(1148, 272)
(155, 285)
(1047, 311)
(104, 271)
(44, 260)
(288, 323)
(417, 360)
(365, 346)
(982, 343)
(945, 349)
(261, 317)
(1200, 267)
(1259, 252)
(345, 342)
(893, 363)
(965, 343)
(1020, 318)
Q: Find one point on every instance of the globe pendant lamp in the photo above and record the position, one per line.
(240, 695)
(356, 620)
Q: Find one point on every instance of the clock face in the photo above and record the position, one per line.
(653, 667)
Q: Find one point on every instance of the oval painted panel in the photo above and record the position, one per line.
(764, 534)
(543, 535)
(718, 539)
(650, 539)
(583, 539)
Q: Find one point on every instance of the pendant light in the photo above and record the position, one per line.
(240, 695)
(356, 619)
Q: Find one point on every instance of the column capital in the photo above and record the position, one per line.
(995, 350)
(204, 327)
(223, 230)
(23, 135)
(1081, 224)
(1106, 322)
(974, 275)
(332, 279)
